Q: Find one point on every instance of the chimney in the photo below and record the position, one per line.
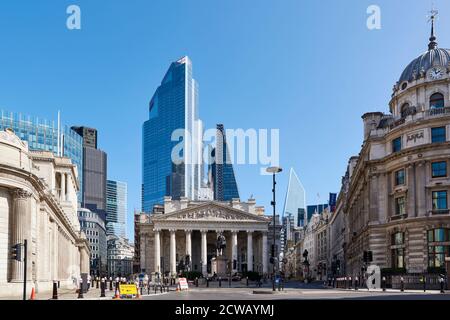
(371, 121)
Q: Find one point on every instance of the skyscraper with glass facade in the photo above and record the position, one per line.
(116, 208)
(223, 178)
(295, 201)
(173, 129)
(44, 135)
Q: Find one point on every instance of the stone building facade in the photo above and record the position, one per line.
(190, 229)
(38, 202)
(395, 197)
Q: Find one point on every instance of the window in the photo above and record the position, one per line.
(437, 101)
(397, 144)
(439, 200)
(400, 177)
(438, 247)
(398, 239)
(438, 135)
(398, 250)
(400, 206)
(439, 169)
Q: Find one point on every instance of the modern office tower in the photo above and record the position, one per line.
(43, 135)
(222, 173)
(173, 128)
(317, 208)
(295, 202)
(116, 208)
(94, 171)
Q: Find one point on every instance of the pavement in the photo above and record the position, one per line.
(293, 290)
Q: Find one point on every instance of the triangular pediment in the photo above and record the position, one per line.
(211, 211)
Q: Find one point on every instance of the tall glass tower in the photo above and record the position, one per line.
(295, 202)
(44, 135)
(173, 109)
(223, 178)
(116, 208)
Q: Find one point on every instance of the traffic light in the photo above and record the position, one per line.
(16, 252)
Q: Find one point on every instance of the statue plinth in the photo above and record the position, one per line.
(219, 266)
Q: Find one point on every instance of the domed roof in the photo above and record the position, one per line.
(433, 57)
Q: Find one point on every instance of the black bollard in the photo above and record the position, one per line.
(102, 289)
(55, 291)
(402, 284)
(383, 283)
(442, 282)
(229, 282)
(110, 285)
(356, 283)
(247, 281)
(80, 290)
(97, 283)
(207, 282)
(424, 284)
(220, 282)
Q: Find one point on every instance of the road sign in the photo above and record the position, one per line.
(128, 289)
(183, 284)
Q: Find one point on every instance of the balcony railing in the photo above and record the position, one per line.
(438, 111)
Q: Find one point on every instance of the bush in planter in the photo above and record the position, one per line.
(191, 275)
(252, 275)
(393, 271)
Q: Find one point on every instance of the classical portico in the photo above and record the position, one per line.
(186, 238)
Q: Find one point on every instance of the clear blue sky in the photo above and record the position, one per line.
(310, 68)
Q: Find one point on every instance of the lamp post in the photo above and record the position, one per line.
(273, 171)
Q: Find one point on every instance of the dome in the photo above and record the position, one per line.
(433, 57)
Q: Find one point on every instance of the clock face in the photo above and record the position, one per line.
(435, 73)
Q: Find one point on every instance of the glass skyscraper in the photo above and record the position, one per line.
(223, 178)
(174, 107)
(295, 202)
(116, 208)
(43, 135)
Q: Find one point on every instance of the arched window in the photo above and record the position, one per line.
(404, 110)
(437, 101)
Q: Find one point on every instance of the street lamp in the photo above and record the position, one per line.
(273, 171)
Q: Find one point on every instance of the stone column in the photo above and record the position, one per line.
(189, 243)
(234, 249)
(204, 256)
(173, 253)
(249, 250)
(21, 230)
(157, 251)
(265, 252)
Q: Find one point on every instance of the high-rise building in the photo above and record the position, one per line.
(116, 208)
(94, 171)
(44, 135)
(295, 201)
(173, 128)
(222, 173)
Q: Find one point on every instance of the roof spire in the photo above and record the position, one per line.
(432, 17)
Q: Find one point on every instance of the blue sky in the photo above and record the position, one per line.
(309, 68)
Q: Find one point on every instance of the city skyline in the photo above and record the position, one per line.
(294, 81)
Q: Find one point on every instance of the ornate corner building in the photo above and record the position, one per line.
(395, 193)
(38, 203)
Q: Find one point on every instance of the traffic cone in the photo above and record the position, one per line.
(117, 295)
(33, 294)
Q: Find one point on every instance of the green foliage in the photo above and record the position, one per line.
(252, 275)
(393, 271)
(191, 275)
